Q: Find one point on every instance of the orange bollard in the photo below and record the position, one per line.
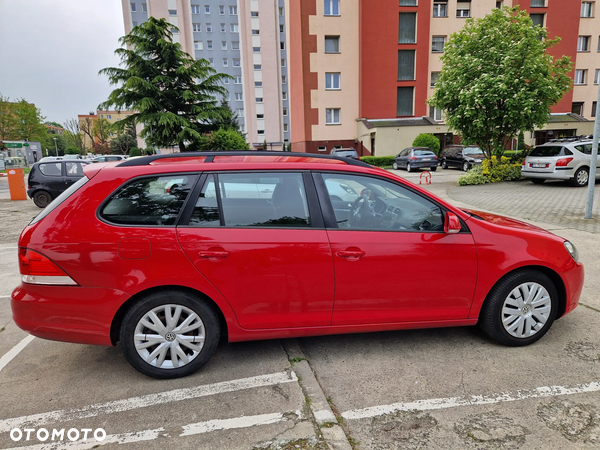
(427, 175)
(16, 184)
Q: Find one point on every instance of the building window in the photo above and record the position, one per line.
(239, 97)
(133, 7)
(284, 95)
(435, 114)
(593, 109)
(240, 112)
(198, 45)
(257, 67)
(259, 99)
(195, 9)
(211, 61)
(537, 19)
(404, 101)
(332, 81)
(255, 32)
(463, 9)
(223, 28)
(256, 49)
(209, 28)
(407, 28)
(332, 44)
(332, 116)
(282, 62)
(233, 10)
(254, 14)
(538, 3)
(260, 116)
(226, 81)
(597, 76)
(227, 96)
(437, 44)
(408, 2)
(109, 116)
(440, 8)
(206, 9)
(237, 79)
(281, 28)
(134, 23)
(583, 44)
(435, 76)
(260, 132)
(285, 127)
(499, 5)
(196, 27)
(144, 7)
(580, 76)
(174, 30)
(223, 45)
(225, 62)
(322, 148)
(282, 46)
(235, 45)
(209, 45)
(172, 12)
(233, 27)
(577, 108)
(285, 111)
(236, 63)
(586, 9)
(406, 64)
(283, 79)
(332, 7)
(222, 10)
(258, 84)
(281, 11)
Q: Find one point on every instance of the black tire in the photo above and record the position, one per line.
(433, 169)
(408, 168)
(208, 325)
(395, 166)
(538, 180)
(580, 179)
(466, 166)
(444, 164)
(42, 199)
(492, 313)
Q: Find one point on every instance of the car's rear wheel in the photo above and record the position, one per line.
(395, 166)
(538, 180)
(520, 309)
(581, 177)
(444, 164)
(466, 166)
(408, 168)
(169, 334)
(42, 199)
(433, 169)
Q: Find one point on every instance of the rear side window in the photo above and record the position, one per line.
(149, 201)
(51, 169)
(585, 148)
(547, 150)
(74, 169)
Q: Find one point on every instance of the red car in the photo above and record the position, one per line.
(167, 254)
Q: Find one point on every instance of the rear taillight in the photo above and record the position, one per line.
(35, 268)
(563, 162)
(523, 163)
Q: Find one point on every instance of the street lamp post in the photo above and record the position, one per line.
(55, 146)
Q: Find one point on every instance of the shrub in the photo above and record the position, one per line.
(72, 151)
(427, 140)
(378, 161)
(135, 151)
(473, 176)
(493, 172)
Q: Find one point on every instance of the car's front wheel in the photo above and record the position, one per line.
(169, 334)
(42, 199)
(408, 168)
(466, 166)
(520, 309)
(581, 177)
(444, 164)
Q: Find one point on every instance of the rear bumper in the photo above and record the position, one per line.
(423, 164)
(66, 313)
(554, 175)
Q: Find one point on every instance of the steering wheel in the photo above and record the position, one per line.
(358, 209)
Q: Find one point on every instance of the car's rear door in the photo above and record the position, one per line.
(258, 237)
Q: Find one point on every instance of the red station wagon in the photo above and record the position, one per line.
(167, 254)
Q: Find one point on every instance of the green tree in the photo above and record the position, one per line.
(124, 142)
(53, 124)
(521, 141)
(498, 79)
(174, 96)
(427, 140)
(74, 134)
(21, 120)
(224, 139)
(8, 120)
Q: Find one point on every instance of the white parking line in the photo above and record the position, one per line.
(13, 352)
(125, 438)
(37, 420)
(237, 422)
(4, 296)
(453, 402)
(9, 248)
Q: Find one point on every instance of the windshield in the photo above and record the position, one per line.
(345, 153)
(547, 150)
(473, 151)
(58, 200)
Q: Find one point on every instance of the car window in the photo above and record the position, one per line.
(546, 150)
(51, 169)
(473, 151)
(423, 153)
(405, 152)
(74, 168)
(382, 206)
(253, 200)
(149, 201)
(584, 148)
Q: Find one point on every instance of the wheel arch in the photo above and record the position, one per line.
(115, 326)
(554, 277)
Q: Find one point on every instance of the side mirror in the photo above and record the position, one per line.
(452, 223)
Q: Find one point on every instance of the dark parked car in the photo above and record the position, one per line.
(462, 157)
(416, 158)
(345, 152)
(47, 180)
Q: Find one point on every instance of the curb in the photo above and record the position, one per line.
(334, 435)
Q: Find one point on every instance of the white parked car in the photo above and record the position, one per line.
(567, 160)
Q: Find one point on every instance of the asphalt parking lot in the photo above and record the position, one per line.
(437, 389)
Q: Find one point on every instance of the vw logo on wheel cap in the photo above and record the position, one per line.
(170, 336)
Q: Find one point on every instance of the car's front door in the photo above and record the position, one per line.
(262, 244)
(393, 261)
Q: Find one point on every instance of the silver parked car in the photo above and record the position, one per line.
(567, 159)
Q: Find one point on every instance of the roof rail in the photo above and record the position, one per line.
(145, 160)
(583, 137)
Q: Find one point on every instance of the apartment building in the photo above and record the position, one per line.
(245, 39)
(88, 121)
(362, 70)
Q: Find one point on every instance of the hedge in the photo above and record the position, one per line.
(378, 161)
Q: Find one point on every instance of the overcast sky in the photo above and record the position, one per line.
(51, 52)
